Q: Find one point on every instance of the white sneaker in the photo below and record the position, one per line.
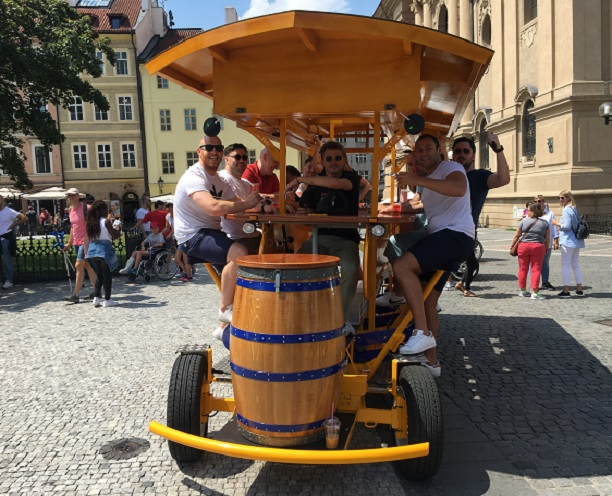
(109, 303)
(97, 301)
(128, 266)
(218, 333)
(348, 329)
(448, 286)
(7, 285)
(390, 299)
(226, 315)
(537, 296)
(523, 294)
(418, 343)
(435, 369)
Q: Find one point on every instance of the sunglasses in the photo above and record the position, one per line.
(462, 151)
(210, 148)
(239, 157)
(538, 201)
(562, 198)
(337, 158)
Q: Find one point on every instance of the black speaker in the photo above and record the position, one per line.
(212, 127)
(414, 124)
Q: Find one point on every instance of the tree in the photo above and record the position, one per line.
(45, 48)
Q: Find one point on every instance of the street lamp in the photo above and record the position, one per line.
(605, 111)
(160, 183)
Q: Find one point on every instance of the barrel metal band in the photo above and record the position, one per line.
(287, 287)
(258, 337)
(307, 375)
(279, 428)
(289, 274)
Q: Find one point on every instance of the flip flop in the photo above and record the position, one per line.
(459, 287)
(469, 294)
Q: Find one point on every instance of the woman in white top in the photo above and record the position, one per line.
(99, 251)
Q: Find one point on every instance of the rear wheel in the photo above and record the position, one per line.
(184, 396)
(424, 410)
(165, 266)
(478, 250)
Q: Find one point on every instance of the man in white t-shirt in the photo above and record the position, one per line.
(141, 212)
(9, 218)
(236, 159)
(200, 200)
(450, 237)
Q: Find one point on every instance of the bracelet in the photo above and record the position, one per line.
(499, 150)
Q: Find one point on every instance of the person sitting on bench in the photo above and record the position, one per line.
(201, 198)
(449, 240)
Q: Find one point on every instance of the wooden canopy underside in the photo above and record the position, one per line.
(321, 71)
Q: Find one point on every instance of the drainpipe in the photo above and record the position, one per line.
(61, 154)
(142, 124)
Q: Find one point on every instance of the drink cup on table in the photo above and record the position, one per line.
(332, 432)
(396, 209)
(404, 195)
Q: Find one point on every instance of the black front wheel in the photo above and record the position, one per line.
(424, 410)
(458, 274)
(184, 396)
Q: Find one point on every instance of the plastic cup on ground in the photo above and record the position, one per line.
(332, 432)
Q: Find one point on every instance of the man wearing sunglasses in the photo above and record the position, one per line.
(236, 159)
(262, 172)
(200, 200)
(336, 192)
(480, 181)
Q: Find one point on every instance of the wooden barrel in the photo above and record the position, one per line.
(287, 350)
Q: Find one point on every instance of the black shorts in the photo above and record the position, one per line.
(442, 250)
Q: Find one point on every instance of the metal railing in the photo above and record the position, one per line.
(39, 259)
(599, 223)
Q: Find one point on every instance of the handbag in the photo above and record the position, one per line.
(514, 247)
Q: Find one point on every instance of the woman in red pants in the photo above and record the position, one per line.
(533, 233)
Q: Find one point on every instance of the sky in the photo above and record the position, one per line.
(208, 14)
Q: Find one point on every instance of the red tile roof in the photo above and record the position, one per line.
(175, 36)
(100, 16)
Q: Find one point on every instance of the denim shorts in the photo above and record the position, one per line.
(80, 251)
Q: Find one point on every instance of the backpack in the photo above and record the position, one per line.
(582, 229)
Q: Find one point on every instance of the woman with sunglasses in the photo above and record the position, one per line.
(570, 244)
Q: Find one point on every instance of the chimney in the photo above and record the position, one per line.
(230, 15)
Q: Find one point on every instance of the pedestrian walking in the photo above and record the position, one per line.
(99, 251)
(9, 218)
(78, 232)
(570, 244)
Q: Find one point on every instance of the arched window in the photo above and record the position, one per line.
(529, 131)
(443, 19)
(482, 145)
(530, 8)
(486, 31)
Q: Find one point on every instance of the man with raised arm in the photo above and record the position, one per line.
(200, 200)
(449, 240)
(480, 181)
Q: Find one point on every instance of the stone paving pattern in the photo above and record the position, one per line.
(526, 390)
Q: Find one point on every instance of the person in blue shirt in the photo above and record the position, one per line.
(569, 243)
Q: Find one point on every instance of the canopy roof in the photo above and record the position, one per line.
(313, 68)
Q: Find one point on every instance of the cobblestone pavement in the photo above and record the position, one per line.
(526, 389)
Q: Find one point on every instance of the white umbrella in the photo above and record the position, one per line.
(11, 193)
(53, 193)
(164, 198)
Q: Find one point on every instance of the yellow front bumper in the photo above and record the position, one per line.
(283, 455)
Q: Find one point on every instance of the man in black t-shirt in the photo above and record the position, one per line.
(335, 192)
(480, 181)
